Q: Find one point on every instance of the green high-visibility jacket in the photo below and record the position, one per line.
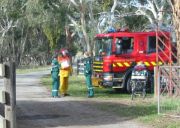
(87, 66)
(55, 68)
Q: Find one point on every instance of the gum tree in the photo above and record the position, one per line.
(175, 4)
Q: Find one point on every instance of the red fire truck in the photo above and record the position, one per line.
(117, 52)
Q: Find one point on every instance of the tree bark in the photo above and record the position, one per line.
(83, 23)
(176, 20)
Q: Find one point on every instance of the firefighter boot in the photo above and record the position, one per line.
(90, 92)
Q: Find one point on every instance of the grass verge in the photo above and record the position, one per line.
(22, 70)
(144, 111)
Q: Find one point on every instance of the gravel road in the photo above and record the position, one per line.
(36, 109)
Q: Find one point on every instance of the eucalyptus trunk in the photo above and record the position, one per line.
(83, 23)
(176, 20)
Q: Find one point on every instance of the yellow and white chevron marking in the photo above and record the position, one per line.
(96, 62)
(147, 64)
(114, 65)
(153, 63)
(120, 64)
(98, 70)
(97, 66)
(126, 64)
(160, 63)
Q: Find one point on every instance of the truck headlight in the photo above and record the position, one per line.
(108, 77)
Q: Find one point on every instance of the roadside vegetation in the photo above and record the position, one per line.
(34, 29)
(120, 104)
(27, 69)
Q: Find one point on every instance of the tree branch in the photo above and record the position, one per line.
(74, 3)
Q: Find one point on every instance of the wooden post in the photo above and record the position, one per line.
(10, 88)
(2, 122)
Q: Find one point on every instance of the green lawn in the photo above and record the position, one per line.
(77, 88)
(144, 111)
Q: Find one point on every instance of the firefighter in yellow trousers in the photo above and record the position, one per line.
(65, 71)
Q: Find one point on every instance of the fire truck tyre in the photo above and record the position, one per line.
(128, 85)
(150, 84)
(118, 90)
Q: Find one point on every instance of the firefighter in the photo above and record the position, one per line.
(55, 77)
(88, 73)
(65, 71)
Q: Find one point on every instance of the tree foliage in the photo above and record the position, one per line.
(30, 30)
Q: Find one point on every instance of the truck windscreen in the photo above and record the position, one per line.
(124, 45)
(103, 46)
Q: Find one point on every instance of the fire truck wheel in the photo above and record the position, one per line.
(128, 85)
(118, 90)
(150, 83)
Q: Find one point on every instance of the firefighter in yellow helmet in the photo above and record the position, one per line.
(65, 71)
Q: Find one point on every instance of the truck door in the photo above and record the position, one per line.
(124, 48)
(140, 46)
(151, 51)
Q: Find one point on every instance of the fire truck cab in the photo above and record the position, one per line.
(117, 52)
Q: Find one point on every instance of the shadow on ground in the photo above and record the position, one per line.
(54, 113)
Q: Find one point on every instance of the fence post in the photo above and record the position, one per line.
(158, 91)
(155, 82)
(10, 89)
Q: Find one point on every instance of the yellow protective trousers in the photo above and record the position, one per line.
(64, 76)
(63, 85)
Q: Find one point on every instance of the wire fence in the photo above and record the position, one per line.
(169, 90)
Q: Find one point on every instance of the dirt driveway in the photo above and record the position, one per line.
(36, 109)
